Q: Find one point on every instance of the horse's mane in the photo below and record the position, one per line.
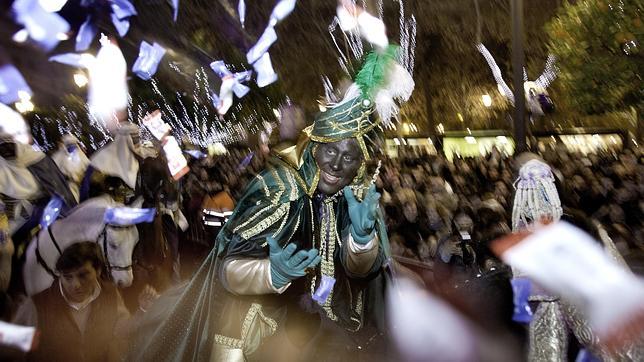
(85, 217)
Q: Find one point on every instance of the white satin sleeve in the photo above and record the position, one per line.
(360, 258)
(249, 277)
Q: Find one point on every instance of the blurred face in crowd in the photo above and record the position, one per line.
(410, 210)
(463, 223)
(408, 181)
(78, 284)
(339, 163)
(578, 183)
(607, 184)
(616, 214)
(493, 174)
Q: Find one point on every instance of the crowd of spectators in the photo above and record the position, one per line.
(436, 208)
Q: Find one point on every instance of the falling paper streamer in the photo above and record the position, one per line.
(230, 83)
(177, 163)
(537, 98)
(239, 89)
(108, 93)
(175, 9)
(121, 11)
(196, 154)
(281, 11)
(263, 44)
(73, 59)
(147, 63)
(12, 85)
(126, 216)
(370, 27)
(52, 6)
(156, 126)
(12, 123)
(241, 9)
(16, 336)
(46, 29)
(52, 210)
(86, 34)
(265, 73)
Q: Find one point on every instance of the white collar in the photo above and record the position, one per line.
(86, 302)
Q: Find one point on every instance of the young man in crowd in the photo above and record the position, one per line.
(81, 317)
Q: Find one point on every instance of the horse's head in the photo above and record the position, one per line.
(120, 236)
(118, 245)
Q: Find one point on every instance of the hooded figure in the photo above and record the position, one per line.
(26, 176)
(72, 162)
(114, 168)
(298, 268)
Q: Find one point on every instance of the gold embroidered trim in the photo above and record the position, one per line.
(228, 341)
(283, 222)
(327, 251)
(266, 223)
(280, 185)
(254, 310)
(264, 186)
(363, 147)
(252, 218)
(291, 181)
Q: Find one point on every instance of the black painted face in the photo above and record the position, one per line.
(8, 150)
(339, 163)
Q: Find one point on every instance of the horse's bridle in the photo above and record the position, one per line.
(109, 266)
(103, 233)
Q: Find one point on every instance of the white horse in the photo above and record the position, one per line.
(84, 223)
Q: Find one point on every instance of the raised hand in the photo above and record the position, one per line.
(362, 214)
(286, 265)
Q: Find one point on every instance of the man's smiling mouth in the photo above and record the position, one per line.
(328, 178)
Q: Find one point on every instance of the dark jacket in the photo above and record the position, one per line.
(61, 340)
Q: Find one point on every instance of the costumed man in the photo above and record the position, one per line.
(114, 168)
(28, 178)
(297, 271)
(72, 162)
(537, 202)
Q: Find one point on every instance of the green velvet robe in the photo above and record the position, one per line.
(207, 322)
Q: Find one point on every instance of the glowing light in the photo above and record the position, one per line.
(396, 141)
(440, 128)
(429, 140)
(460, 117)
(487, 100)
(62, 36)
(276, 112)
(469, 131)
(502, 139)
(24, 106)
(21, 36)
(81, 80)
(471, 140)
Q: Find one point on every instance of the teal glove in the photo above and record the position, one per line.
(362, 214)
(285, 266)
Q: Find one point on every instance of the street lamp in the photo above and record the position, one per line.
(487, 100)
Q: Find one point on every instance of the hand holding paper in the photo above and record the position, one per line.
(566, 261)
